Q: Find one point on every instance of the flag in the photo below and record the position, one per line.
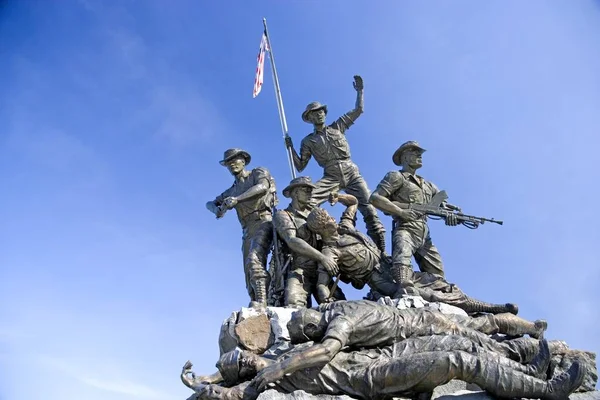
(260, 67)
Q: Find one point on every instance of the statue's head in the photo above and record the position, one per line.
(235, 160)
(315, 113)
(306, 325)
(300, 189)
(239, 365)
(409, 154)
(319, 221)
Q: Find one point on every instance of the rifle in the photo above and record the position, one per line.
(439, 208)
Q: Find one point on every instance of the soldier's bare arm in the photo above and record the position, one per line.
(348, 217)
(287, 232)
(315, 356)
(346, 199)
(189, 378)
(385, 205)
(300, 160)
(347, 120)
(380, 198)
(323, 284)
(257, 190)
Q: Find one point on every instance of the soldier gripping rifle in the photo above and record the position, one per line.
(439, 208)
(409, 199)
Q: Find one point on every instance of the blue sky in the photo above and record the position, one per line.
(114, 116)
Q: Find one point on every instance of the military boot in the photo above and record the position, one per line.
(402, 274)
(475, 306)
(512, 325)
(507, 382)
(260, 294)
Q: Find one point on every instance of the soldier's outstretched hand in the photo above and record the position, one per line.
(330, 265)
(358, 83)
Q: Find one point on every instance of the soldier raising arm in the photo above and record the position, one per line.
(316, 113)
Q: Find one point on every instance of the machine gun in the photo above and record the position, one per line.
(438, 207)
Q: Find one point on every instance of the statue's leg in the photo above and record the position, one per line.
(324, 187)
(435, 288)
(382, 283)
(246, 241)
(513, 325)
(428, 258)
(536, 366)
(403, 248)
(423, 372)
(435, 323)
(505, 323)
(260, 245)
(297, 290)
(357, 187)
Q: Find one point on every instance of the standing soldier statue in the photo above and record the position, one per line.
(330, 148)
(253, 195)
(410, 233)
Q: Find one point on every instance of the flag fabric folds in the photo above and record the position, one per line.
(260, 67)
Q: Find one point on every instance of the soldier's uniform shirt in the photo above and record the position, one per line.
(363, 323)
(249, 211)
(302, 277)
(292, 221)
(255, 216)
(355, 253)
(411, 238)
(332, 152)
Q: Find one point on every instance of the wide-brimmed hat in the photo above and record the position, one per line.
(411, 144)
(229, 366)
(232, 153)
(299, 181)
(314, 106)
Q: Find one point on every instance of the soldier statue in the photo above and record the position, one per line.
(253, 195)
(328, 145)
(363, 323)
(403, 369)
(290, 224)
(359, 262)
(410, 232)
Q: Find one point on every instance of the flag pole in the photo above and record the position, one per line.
(284, 127)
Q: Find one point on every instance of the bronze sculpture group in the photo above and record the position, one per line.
(362, 348)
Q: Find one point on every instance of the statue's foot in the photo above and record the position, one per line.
(566, 383)
(512, 308)
(257, 305)
(539, 327)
